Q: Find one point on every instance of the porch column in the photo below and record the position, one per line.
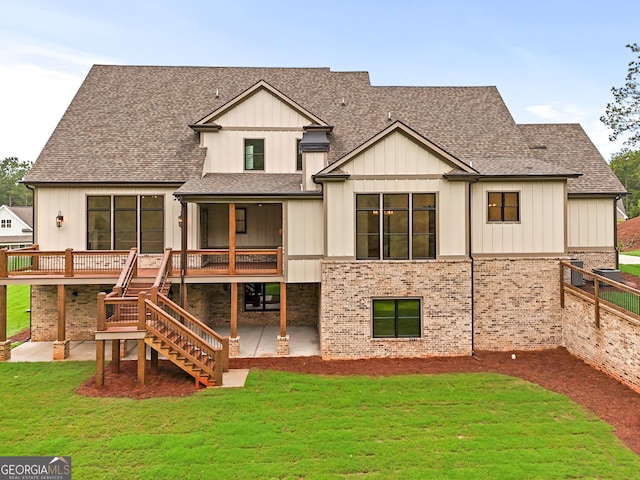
(183, 253)
(61, 345)
(5, 345)
(232, 239)
(234, 340)
(283, 338)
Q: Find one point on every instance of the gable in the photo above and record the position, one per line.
(397, 150)
(257, 107)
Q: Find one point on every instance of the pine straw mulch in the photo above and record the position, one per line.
(555, 370)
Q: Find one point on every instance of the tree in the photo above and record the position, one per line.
(623, 114)
(12, 171)
(626, 166)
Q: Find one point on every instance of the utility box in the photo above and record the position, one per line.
(577, 278)
(610, 273)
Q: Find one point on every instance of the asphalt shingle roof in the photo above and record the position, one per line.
(130, 124)
(258, 184)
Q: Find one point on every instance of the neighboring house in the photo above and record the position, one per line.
(16, 226)
(401, 221)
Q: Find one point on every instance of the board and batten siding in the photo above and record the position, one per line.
(396, 164)
(590, 222)
(72, 203)
(304, 240)
(541, 228)
(262, 115)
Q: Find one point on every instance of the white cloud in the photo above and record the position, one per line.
(33, 100)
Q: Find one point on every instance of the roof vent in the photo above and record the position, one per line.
(217, 94)
(538, 147)
(389, 117)
(343, 103)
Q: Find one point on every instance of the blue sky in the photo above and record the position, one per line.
(552, 61)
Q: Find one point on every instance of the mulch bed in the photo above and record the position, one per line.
(555, 370)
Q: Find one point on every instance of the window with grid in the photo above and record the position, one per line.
(254, 154)
(396, 317)
(503, 206)
(121, 222)
(5, 223)
(395, 226)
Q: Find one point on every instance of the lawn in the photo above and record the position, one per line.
(18, 302)
(285, 425)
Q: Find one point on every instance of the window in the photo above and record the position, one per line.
(5, 223)
(503, 207)
(298, 156)
(254, 154)
(396, 318)
(122, 222)
(406, 229)
(241, 220)
(261, 297)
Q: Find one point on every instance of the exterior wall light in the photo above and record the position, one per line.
(59, 219)
(180, 221)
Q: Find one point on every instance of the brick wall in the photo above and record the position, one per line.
(80, 311)
(517, 303)
(596, 259)
(213, 304)
(348, 288)
(614, 347)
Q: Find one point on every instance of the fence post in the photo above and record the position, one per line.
(68, 262)
(142, 311)
(4, 271)
(102, 311)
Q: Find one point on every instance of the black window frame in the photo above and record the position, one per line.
(500, 210)
(114, 216)
(256, 294)
(259, 155)
(5, 223)
(298, 155)
(379, 330)
(241, 220)
(378, 235)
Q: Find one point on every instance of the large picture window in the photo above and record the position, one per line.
(254, 154)
(395, 226)
(121, 222)
(396, 318)
(261, 296)
(503, 207)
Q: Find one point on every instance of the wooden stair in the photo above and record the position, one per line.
(178, 349)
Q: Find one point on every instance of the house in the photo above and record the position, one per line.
(401, 221)
(16, 226)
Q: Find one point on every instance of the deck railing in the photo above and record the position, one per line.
(222, 262)
(67, 263)
(600, 289)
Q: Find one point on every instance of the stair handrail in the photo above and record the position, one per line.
(201, 329)
(163, 273)
(129, 271)
(213, 352)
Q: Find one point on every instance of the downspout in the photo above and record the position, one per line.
(469, 240)
(615, 230)
(183, 251)
(33, 241)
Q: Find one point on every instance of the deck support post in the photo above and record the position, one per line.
(61, 345)
(283, 338)
(154, 360)
(142, 358)
(115, 355)
(234, 340)
(100, 363)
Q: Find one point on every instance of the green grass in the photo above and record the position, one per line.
(631, 269)
(635, 253)
(18, 302)
(292, 426)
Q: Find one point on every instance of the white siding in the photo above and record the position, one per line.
(260, 116)
(72, 202)
(541, 225)
(264, 222)
(16, 224)
(396, 164)
(304, 271)
(305, 227)
(590, 222)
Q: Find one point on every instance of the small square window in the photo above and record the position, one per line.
(396, 318)
(503, 207)
(241, 220)
(254, 154)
